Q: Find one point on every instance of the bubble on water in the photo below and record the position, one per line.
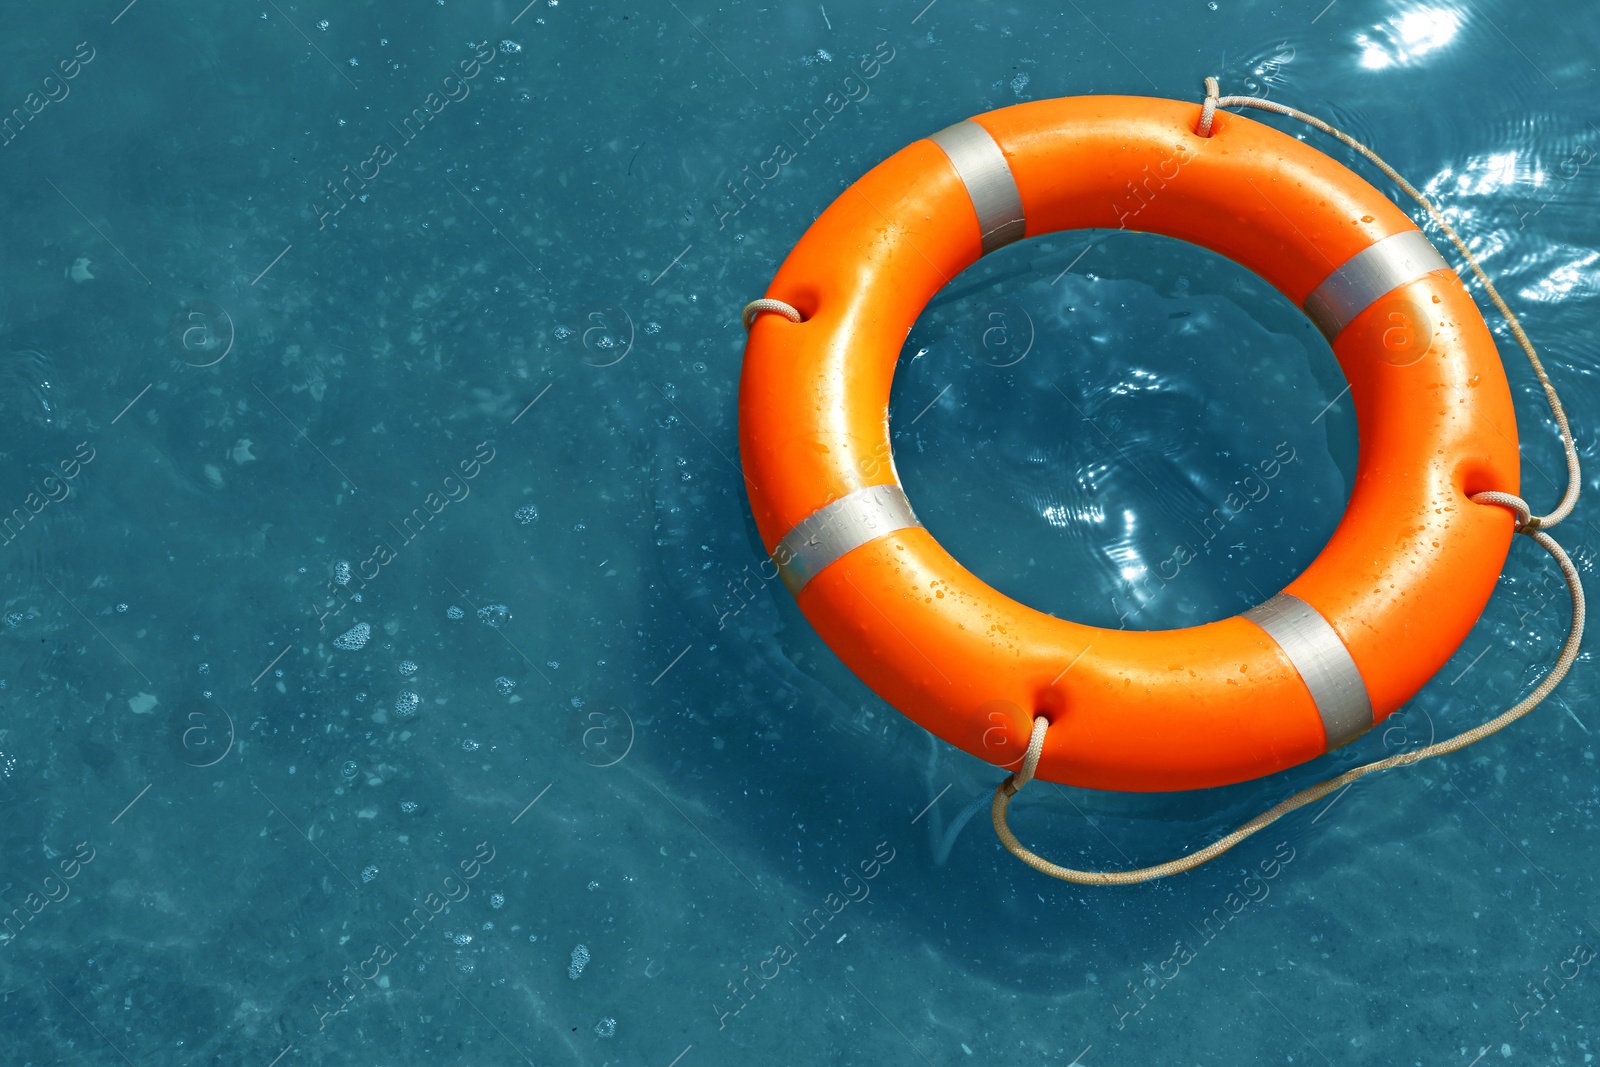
(466, 967)
(505, 685)
(406, 704)
(453, 612)
(8, 763)
(361, 698)
(407, 668)
(652, 327)
(354, 638)
(469, 745)
(205, 668)
(1020, 82)
(497, 900)
(13, 618)
(825, 55)
(532, 938)
(606, 1027)
(350, 769)
(495, 615)
(592, 886)
(487, 925)
(408, 806)
(527, 513)
(510, 47)
(563, 332)
(369, 872)
(580, 960)
(461, 940)
(122, 607)
(341, 572)
(323, 25)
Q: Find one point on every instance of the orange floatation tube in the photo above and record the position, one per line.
(1404, 577)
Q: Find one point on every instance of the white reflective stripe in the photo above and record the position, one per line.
(1379, 269)
(986, 174)
(846, 524)
(1325, 665)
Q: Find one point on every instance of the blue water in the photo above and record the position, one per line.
(388, 674)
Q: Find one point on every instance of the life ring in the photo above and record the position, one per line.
(1406, 574)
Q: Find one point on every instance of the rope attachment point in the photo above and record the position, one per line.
(766, 303)
(1030, 759)
(1527, 521)
(1208, 112)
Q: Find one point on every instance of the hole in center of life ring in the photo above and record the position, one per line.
(1124, 430)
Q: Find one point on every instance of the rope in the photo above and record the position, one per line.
(1204, 129)
(1528, 524)
(1007, 789)
(756, 307)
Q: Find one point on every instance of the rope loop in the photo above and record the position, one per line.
(1527, 521)
(1209, 111)
(1030, 759)
(766, 303)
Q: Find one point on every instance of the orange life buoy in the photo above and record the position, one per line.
(1404, 577)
